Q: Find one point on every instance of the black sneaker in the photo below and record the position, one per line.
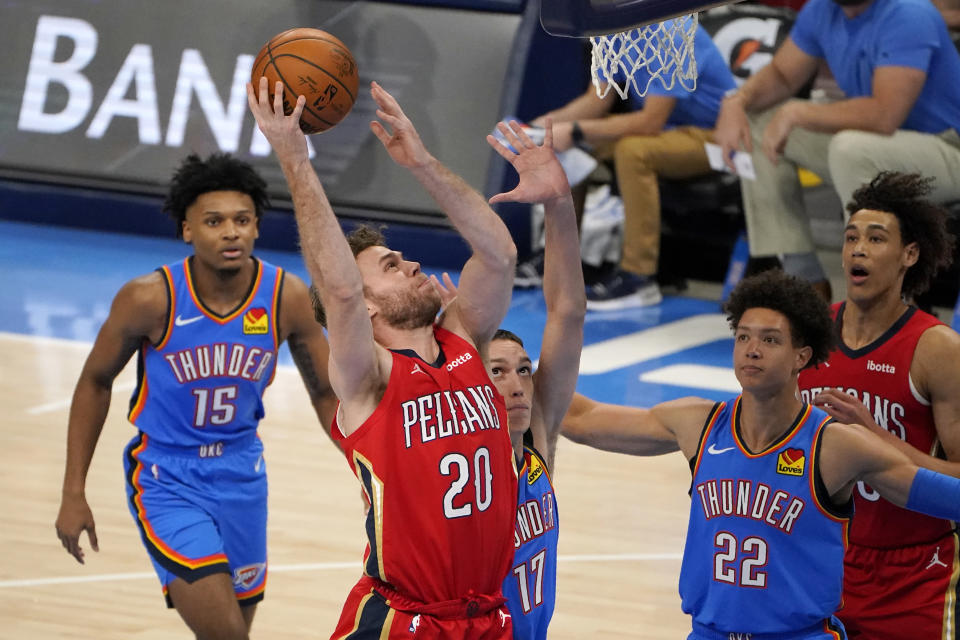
(623, 290)
(529, 273)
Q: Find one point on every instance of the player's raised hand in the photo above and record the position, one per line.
(447, 289)
(74, 518)
(541, 176)
(281, 131)
(448, 293)
(402, 141)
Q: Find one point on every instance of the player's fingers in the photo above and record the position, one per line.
(264, 93)
(92, 536)
(379, 131)
(548, 133)
(72, 545)
(251, 97)
(504, 152)
(503, 197)
(448, 281)
(521, 135)
(396, 122)
(278, 99)
(385, 99)
(298, 108)
(509, 135)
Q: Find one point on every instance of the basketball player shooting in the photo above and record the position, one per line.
(421, 424)
(772, 476)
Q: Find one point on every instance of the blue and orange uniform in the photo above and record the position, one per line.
(196, 478)
(531, 586)
(765, 544)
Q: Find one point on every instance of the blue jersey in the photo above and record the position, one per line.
(764, 549)
(202, 385)
(531, 587)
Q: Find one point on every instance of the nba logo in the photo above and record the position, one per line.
(414, 624)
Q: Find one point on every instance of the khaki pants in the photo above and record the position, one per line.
(777, 221)
(639, 160)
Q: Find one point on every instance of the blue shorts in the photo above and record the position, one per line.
(829, 629)
(201, 512)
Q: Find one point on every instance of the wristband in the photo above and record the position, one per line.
(576, 134)
(935, 494)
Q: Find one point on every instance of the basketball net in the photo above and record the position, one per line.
(660, 51)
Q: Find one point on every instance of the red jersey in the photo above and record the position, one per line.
(436, 463)
(879, 374)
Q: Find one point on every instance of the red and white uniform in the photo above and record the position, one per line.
(901, 568)
(436, 463)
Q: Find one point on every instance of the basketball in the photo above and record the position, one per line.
(314, 64)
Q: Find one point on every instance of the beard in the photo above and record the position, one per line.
(848, 3)
(409, 310)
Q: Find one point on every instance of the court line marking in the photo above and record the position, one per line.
(700, 376)
(656, 342)
(314, 566)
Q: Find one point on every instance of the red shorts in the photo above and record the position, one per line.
(904, 593)
(375, 611)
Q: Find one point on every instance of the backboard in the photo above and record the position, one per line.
(586, 18)
(634, 42)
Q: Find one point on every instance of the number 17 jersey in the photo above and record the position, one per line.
(436, 463)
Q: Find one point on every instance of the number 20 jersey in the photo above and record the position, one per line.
(203, 383)
(436, 463)
(764, 549)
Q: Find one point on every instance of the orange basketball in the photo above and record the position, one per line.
(314, 64)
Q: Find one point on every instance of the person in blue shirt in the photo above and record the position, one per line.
(772, 476)
(662, 135)
(900, 72)
(206, 331)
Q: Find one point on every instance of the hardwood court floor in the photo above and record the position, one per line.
(623, 522)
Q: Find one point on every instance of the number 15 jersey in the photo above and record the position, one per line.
(436, 463)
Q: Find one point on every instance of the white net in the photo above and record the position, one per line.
(660, 51)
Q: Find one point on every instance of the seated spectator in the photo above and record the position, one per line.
(662, 135)
(900, 72)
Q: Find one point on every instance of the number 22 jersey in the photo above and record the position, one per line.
(764, 549)
(436, 463)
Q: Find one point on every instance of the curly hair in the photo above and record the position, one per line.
(810, 322)
(366, 236)
(219, 172)
(921, 221)
(363, 237)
